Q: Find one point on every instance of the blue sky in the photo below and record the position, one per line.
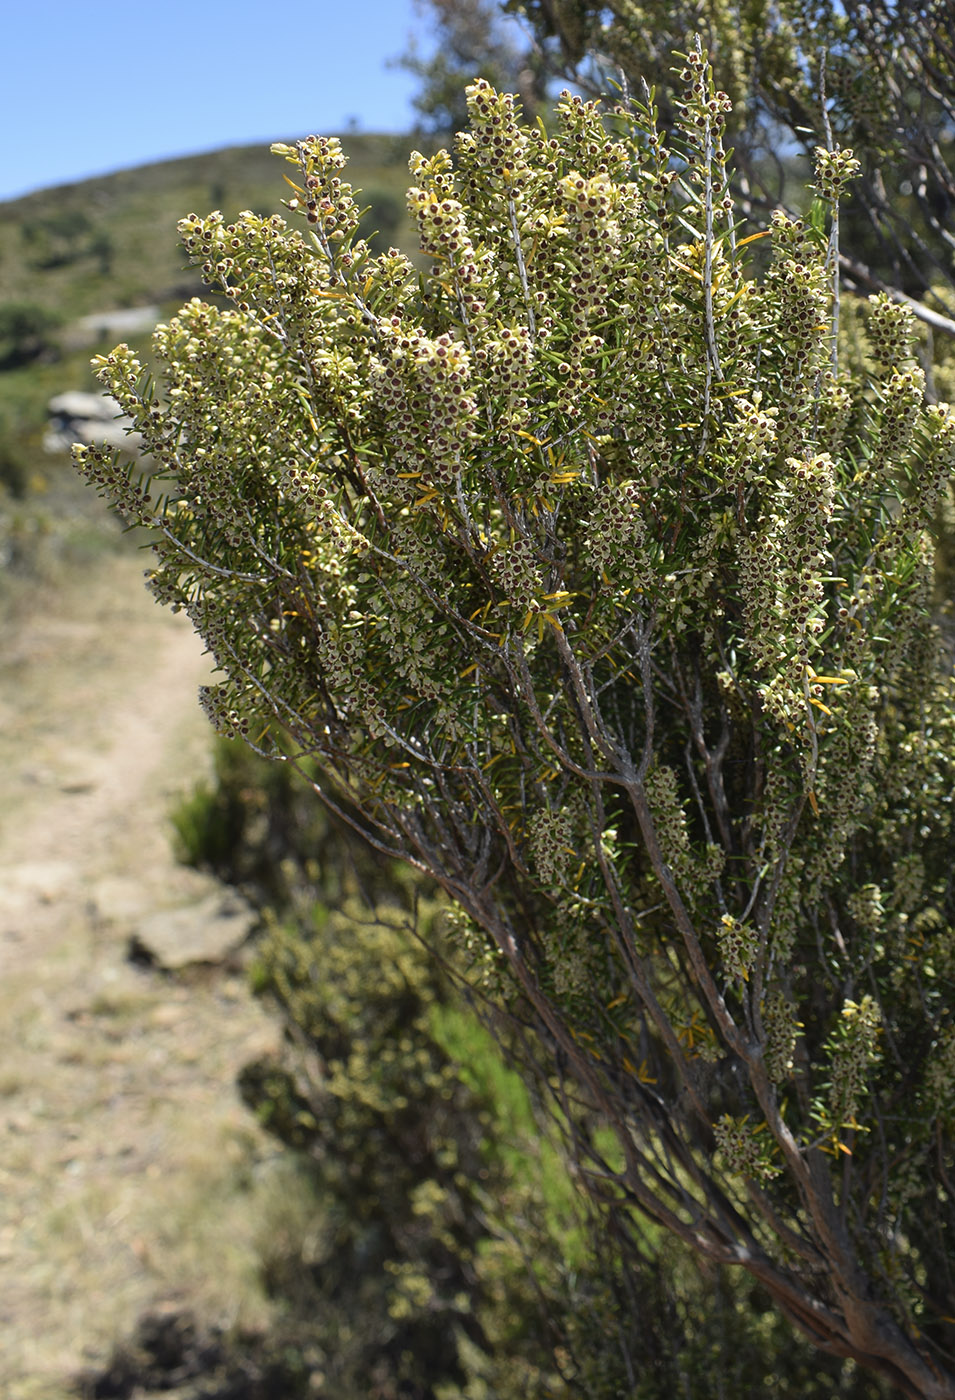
(93, 88)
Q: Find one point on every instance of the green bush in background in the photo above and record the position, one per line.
(24, 332)
(440, 1248)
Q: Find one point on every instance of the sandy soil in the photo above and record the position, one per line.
(128, 1167)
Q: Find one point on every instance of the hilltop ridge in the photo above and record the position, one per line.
(111, 240)
(110, 243)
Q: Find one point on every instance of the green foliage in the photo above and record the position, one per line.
(603, 598)
(61, 238)
(404, 1169)
(207, 827)
(24, 332)
(13, 471)
(879, 77)
(449, 1254)
(550, 1292)
(471, 41)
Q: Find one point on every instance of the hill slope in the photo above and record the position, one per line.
(111, 241)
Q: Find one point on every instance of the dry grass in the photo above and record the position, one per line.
(130, 1172)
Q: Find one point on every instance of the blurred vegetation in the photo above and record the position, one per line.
(439, 1247)
(25, 332)
(474, 40)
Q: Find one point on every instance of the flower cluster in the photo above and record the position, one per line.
(516, 571)
(835, 408)
(932, 482)
(748, 441)
(804, 542)
(788, 917)
(341, 664)
(782, 1030)
(593, 244)
(420, 383)
(303, 486)
(781, 566)
(890, 328)
(616, 536)
(584, 139)
(834, 170)
(411, 646)
(903, 393)
(800, 308)
(843, 777)
(908, 882)
(224, 713)
(704, 111)
(854, 1049)
(443, 234)
(328, 201)
(551, 843)
(497, 145)
(744, 1150)
(572, 976)
(235, 256)
(669, 817)
(738, 943)
(504, 363)
(111, 478)
(866, 908)
(713, 863)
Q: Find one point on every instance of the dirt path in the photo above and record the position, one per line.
(128, 1167)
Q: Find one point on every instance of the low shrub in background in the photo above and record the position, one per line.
(25, 332)
(438, 1246)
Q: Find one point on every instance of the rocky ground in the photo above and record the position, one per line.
(130, 1174)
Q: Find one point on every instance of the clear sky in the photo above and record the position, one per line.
(91, 88)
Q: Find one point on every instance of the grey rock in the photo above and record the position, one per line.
(77, 404)
(80, 417)
(128, 321)
(210, 931)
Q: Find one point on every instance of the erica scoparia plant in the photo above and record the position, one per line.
(602, 596)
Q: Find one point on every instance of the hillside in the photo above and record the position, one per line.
(111, 243)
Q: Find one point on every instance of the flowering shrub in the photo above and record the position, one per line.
(601, 593)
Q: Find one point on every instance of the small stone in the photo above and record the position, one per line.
(210, 931)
